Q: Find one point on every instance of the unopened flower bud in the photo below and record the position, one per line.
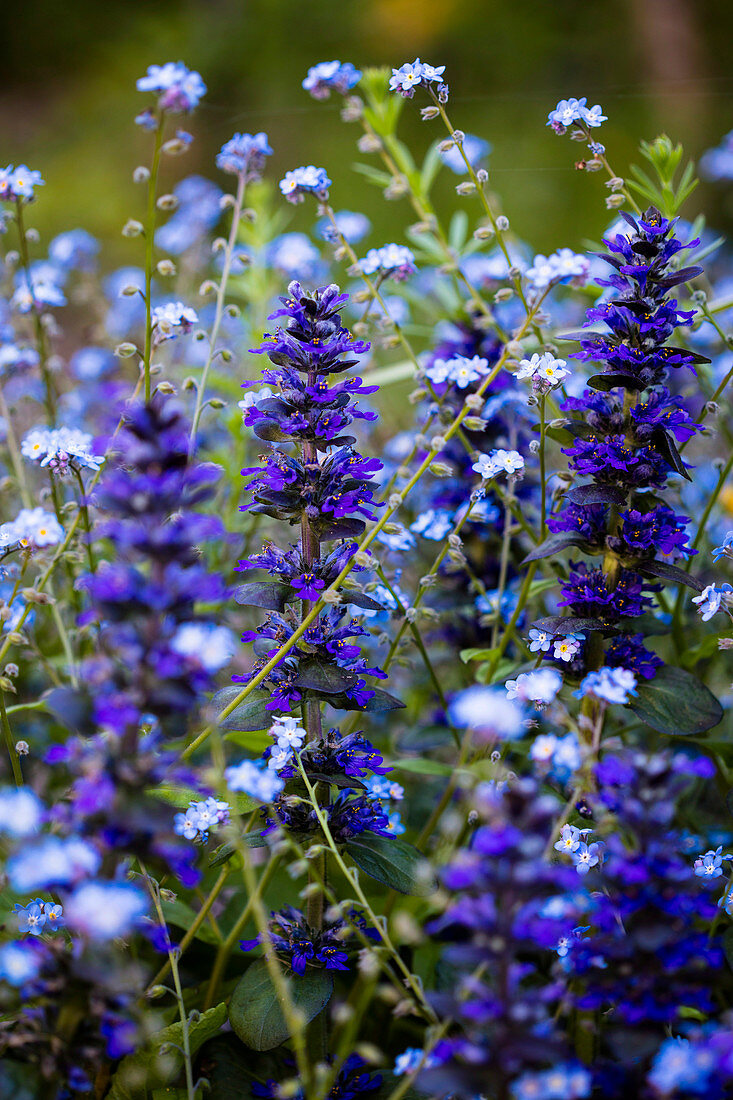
(331, 596)
(124, 351)
(165, 387)
(504, 294)
(174, 147)
(446, 145)
(23, 748)
(466, 188)
(394, 501)
(484, 232)
(416, 395)
(396, 189)
(595, 165)
(141, 174)
(440, 469)
(167, 202)
(369, 143)
(474, 423)
(437, 443)
(723, 643)
(428, 113)
(129, 291)
(32, 235)
(613, 202)
(712, 407)
(361, 557)
(208, 287)
(165, 268)
(615, 183)
(353, 109)
(482, 175)
(534, 446)
(11, 670)
(502, 223)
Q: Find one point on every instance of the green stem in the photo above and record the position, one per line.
(15, 455)
(12, 752)
(86, 523)
(220, 299)
(149, 247)
(50, 393)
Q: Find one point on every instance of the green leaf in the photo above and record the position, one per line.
(181, 796)
(181, 915)
(675, 702)
(271, 595)
(394, 862)
(478, 654)
(255, 1010)
(423, 767)
(250, 715)
(324, 676)
(254, 741)
(148, 1068)
(225, 851)
(553, 545)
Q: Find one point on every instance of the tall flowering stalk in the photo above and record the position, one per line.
(627, 426)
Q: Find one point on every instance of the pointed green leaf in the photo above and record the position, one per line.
(255, 1010)
(394, 862)
(675, 702)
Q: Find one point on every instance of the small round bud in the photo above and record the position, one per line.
(165, 267)
(595, 165)
(446, 145)
(455, 541)
(12, 258)
(129, 291)
(11, 670)
(167, 202)
(22, 748)
(227, 202)
(353, 109)
(175, 147)
(483, 233)
(440, 469)
(361, 557)
(396, 189)
(474, 423)
(615, 183)
(394, 501)
(504, 294)
(534, 446)
(613, 202)
(32, 235)
(369, 143)
(331, 596)
(468, 187)
(132, 228)
(437, 443)
(699, 297)
(482, 175)
(559, 422)
(216, 403)
(428, 113)
(712, 407)
(208, 287)
(141, 174)
(165, 387)
(124, 351)
(232, 310)
(219, 245)
(502, 223)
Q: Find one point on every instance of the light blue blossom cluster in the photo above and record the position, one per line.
(712, 598)
(173, 319)
(200, 818)
(499, 461)
(39, 916)
(413, 75)
(544, 371)
(564, 646)
(210, 645)
(303, 181)
(571, 111)
(412, 1060)
(179, 88)
(610, 685)
(560, 755)
(59, 448)
(539, 686)
(391, 260)
(254, 779)
(32, 529)
(563, 266)
(563, 1082)
(330, 76)
(19, 184)
(459, 370)
(489, 712)
(710, 865)
(244, 155)
(573, 843)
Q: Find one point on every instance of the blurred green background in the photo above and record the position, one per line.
(67, 95)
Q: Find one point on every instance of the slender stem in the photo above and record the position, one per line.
(220, 299)
(50, 393)
(86, 523)
(543, 475)
(15, 455)
(173, 962)
(506, 540)
(354, 885)
(149, 247)
(226, 948)
(195, 924)
(12, 752)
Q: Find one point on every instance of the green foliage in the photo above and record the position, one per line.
(256, 1012)
(661, 189)
(675, 702)
(159, 1062)
(393, 862)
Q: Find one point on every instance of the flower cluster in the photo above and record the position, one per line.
(300, 946)
(395, 260)
(338, 76)
(59, 448)
(299, 182)
(417, 74)
(571, 111)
